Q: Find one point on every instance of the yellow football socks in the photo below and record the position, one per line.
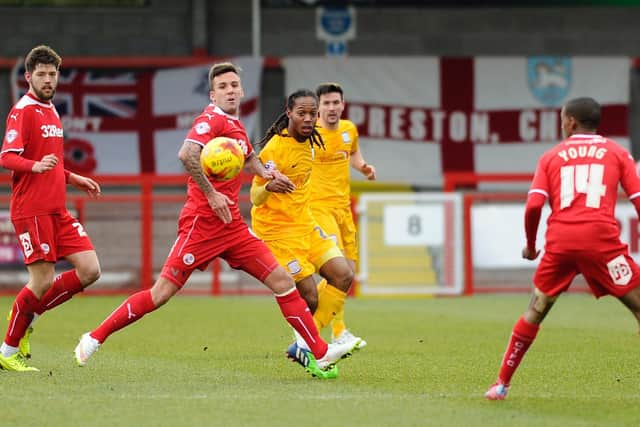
(330, 301)
(338, 325)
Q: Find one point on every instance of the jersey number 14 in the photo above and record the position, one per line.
(586, 179)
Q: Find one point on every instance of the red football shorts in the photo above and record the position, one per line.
(607, 272)
(200, 240)
(51, 237)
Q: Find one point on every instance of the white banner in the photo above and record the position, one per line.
(498, 234)
(421, 117)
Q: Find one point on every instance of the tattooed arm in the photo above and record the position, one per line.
(189, 155)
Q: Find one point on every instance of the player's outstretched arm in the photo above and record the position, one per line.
(88, 185)
(15, 162)
(254, 165)
(189, 155)
(358, 162)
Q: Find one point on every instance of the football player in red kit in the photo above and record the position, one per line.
(580, 177)
(32, 149)
(210, 226)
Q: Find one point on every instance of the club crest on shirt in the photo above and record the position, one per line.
(270, 165)
(45, 248)
(11, 135)
(549, 78)
(188, 258)
(346, 138)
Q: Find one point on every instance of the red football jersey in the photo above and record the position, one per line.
(580, 176)
(212, 123)
(34, 130)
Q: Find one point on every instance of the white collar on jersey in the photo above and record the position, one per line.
(218, 110)
(29, 99)
(585, 136)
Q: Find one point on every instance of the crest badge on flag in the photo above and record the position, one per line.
(549, 78)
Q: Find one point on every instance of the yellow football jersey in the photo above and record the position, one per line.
(285, 214)
(331, 167)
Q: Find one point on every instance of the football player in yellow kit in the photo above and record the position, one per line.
(331, 189)
(284, 220)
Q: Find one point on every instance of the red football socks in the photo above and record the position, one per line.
(296, 312)
(134, 307)
(64, 287)
(521, 338)
(25, 304)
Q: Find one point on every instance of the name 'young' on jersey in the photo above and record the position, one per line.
(580, 176)
(33, 131)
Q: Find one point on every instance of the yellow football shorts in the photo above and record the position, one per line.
(303, 256)
(338, 223)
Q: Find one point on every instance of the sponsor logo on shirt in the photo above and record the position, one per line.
(11, 135)
(243, 144)
(51, 131)
(294, 267)
(202, 128)
(620, 271)
(25, 241)
(14, 116)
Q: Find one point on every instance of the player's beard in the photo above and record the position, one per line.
(43, 96)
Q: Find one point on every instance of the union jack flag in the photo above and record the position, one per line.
(130, 121)
(106, 93)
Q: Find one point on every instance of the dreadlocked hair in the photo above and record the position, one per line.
(282, 122)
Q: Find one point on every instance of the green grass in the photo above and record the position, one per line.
(207, 361)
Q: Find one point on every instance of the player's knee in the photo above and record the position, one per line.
(343, 279)
(282, 282)
(89, 274)
(539, 307)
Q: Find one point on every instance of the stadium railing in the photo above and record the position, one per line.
(493, 211)
(132, 226)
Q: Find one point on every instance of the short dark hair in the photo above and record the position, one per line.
(41, 55)
(221, 68)
(329, 87)
(585, 110)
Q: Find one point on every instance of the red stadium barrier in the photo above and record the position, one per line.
(144, 190)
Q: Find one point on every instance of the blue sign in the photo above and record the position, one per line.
(549, 78)
(336, 48)
(336, 21)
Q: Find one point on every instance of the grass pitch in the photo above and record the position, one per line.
(220, 362)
